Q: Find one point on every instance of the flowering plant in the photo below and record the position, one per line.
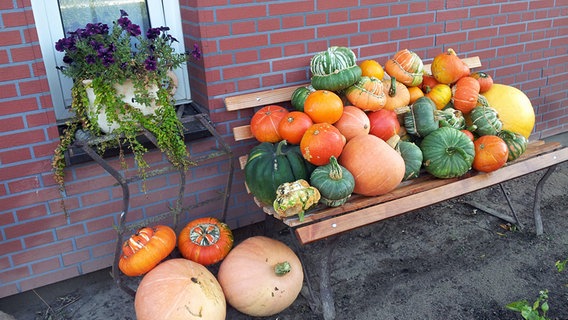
(99, 59)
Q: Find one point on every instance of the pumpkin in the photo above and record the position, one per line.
(415, 93)
(469, 134)
(450, 117)
(299, 97)
(412, 156)
(367, 94)
(323, 106)
(320, 142)
(376, 167)
(334, 182)
(448, 153)
(353, 122)
(261, 276)
(334, 69)
(406, 66)
(293, 198)
(491, 153)
(420, 121)
(371, 68)
(397, 94)
(485, 81)
(145, 249)
(514, 108)
(292, 127)
(516, 143)
(447, 68)
(464, 94)
(264, 123)
(428, 82)
(205, 240)
(485, 120)
(441, 95)
(384, 123)
(180, 289)
(269, 165)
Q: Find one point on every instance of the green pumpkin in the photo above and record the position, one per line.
(421, 120)
(447, 152)
(334, 182)
(485, 120)
(299, 97)
(516, 143)
(334, 69)
(413, 158)
(450, 117)
(270, 165)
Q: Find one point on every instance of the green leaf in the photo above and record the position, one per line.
(517, 305)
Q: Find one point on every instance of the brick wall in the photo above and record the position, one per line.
(247, 46)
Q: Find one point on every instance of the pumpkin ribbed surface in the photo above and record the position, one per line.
(376, 167)
(514, 108)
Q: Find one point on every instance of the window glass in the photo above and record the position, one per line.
(77, 13)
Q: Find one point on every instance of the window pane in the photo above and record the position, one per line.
(77, 13)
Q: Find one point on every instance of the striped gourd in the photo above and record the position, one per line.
(334, 69)
(486, 120)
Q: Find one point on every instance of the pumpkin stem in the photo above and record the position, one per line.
(335, 172)
(392, 89)
(282, 268)
(482, 101)
(279, 147)
(393, 141)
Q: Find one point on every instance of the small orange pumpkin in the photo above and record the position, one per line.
(371, 68)
(464, 94)
(484, 79)
(353, 122)
(428, 82)
(491, 153)
(367, 94)
(447, 67)
(415, 93)
(145, 249)
(264, 123)
(397, 94)
(406, 66)
(323, 106)
(205, 240)
(293, 126)
(320, 142)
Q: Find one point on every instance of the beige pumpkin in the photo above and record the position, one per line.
(179, 289)
(261, 276)
(376, 166)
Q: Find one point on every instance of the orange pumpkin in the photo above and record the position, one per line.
(415, 93)
(491, 153)
(441, 94)
(293, 126)
(465, 93)
(367, 94)
(145, 249)
(447, 67)
(264, 123)
(371, 68)
(428, 82)
(376, 167)
(320, 142)
(397, 94)
(484, 79)
(323, 106)
(205, 240)
(180, 289)
(406, 66)
(353, 122)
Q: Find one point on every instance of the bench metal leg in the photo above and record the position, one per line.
(537, 198)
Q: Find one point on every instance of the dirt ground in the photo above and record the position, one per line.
(446, 261)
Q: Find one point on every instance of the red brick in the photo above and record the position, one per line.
(337, 30)
(33, 212)
(50, 250)
(247, 70)
(305, 34)
(104, 250)
(16, 171)
(49, 278)
(46, 266)
(17, 106)
(10, 38)
(17, 19)
(243, 27)
(23, 138)
(8, 91)
(93, 239)
(268, 25)
(14, 274)
(38, 239)
(98, 264)
(33, 87)
(240, 13)
(10, 246)
(15, 72)
(70, 231)
(27, 53)
(100, 224)
(293, 22)
(25, 184)
(15, 155)
(46, 223)
(298, 7)
(76, 257)
(243, 42)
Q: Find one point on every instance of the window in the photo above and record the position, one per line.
(54, 17)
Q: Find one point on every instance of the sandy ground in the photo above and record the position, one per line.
(446, 261)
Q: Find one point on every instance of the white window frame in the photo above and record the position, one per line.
(50, 29)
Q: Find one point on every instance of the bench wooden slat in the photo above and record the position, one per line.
(255, 99)
(381, 211)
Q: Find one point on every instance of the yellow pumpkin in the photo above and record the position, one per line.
(514, 108)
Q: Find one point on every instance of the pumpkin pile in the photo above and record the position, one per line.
(364, 129)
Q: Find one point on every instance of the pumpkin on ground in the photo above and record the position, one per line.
(269, 165)
(180, 289)
(491, 153)
(376, 167)
(353, 122)
(145, 249)
(448, 153)
(320, 142)
(205, 240)
(261, 276)
(514, 108)
(264, 123)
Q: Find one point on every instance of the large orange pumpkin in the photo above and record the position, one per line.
(264, 123)
(320, 142)
(514, 108)
(353, 122)
(180, 289)
(376, 167)
(261, 276)
(205, 240)
(323, 106)
(145, 249)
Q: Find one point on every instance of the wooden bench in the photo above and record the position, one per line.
(323, 222)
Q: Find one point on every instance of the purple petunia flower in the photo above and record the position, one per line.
(196, 52)
(150, 63)
(153, 33)
(90, 59)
